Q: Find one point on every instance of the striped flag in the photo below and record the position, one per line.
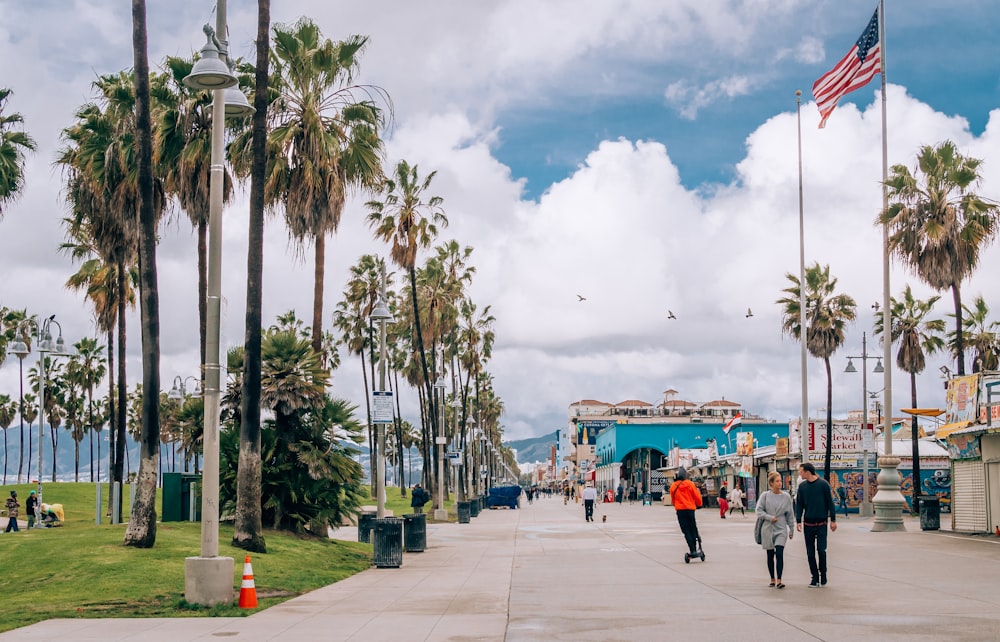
(854, 71)
(735, 422)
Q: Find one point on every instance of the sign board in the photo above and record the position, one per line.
(837, 460)
(961, 399)
(781, 447)
(868, 439)
(588, 429)
(382, 407)
(744, 444)
(846, 437)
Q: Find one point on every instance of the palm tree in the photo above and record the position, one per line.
(11, 328)
(248, 526)
(917, 337)
(938, 225)
(324, 139)
(827, 314)
(29, 411)
(7, 410)
(409, 223)
(13, 146)
(75, 383)
(142, 523)
(983, 336)
(93, 366)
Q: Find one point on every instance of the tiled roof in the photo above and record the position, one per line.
(632, 402)
(668, 391)
(720, 403)
(589, 402)
(678, 403)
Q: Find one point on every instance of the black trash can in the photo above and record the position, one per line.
(464, 512)
(387, 542)
(414, 533)
(365, 526)
(930, 513)
(474, 507)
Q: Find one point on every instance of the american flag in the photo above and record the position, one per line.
(733, 423)
(854, 71)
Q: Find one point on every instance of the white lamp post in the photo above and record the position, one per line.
(381, 314)
(44, 345)
(865, 509)
(208, 578)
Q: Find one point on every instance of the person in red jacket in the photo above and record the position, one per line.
(686, 499)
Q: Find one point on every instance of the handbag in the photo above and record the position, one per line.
(758, 526)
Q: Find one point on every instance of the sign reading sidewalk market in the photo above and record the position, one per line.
(382, 407)
(846, 436)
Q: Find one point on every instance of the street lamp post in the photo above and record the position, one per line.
(469, 454)
(208, 578)
(865, 509)
(440, 513)
(45, 346)
(381, 314)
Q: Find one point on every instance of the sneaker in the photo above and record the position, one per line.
(822, 581)
(814, 583)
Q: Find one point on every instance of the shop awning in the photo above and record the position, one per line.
(947, 429)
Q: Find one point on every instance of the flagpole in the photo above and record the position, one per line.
(888, 501)
(804, 416)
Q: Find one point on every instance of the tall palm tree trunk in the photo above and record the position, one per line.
(141, 531)
(915, 447)
(829, 419)
(956, 295)
(431, 415)
(319, 275)
(202, 289)
(397, 420)
(248, 528)
(112, 415)
(121, 406)
(371, 429)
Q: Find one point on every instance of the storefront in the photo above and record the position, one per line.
(975, 479)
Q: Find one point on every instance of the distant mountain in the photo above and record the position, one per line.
(534, 449)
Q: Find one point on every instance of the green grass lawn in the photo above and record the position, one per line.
(82, 570)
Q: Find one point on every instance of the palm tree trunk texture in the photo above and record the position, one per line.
(956, 295)
(431, 415)
(202, 290)
(141, 530)
(829, 420)
(318, 277)
(915, 444)
(398, 425)
(371, 427)
(248, 527)
(121, 406)
(111, 414)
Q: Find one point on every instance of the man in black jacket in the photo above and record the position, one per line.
(418, 497)
(813, 507)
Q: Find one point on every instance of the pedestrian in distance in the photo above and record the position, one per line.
(29, 508)
(774, 508)
(619, 494)
(589, 497)
(736, 500)
(686, 498)
(418, 497)
(723, 504)
(12, 506)
(813, 509)
(842, 496)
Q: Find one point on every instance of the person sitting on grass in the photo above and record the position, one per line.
(53, 515)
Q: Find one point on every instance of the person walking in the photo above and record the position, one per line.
(29, 508)
(686, 498)
(418, 497)
(813, 508)
(723, 504)
(589, 497)
(736, 497)
(842, 496)
(774, 508)
(12, 506)
(619, 494)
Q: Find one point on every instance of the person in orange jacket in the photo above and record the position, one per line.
(686, 499)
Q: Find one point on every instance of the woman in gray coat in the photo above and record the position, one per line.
(774, 508)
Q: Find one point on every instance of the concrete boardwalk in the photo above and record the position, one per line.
(543, 573)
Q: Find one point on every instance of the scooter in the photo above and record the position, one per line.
(697, 554)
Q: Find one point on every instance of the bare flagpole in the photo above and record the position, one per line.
(888, 500)
(804, 418)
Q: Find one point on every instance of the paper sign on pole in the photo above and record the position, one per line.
(382, 407)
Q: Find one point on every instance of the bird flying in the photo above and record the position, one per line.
(581, 297)
(749, 313)
(670, 314)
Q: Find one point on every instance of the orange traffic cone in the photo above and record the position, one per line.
(248, 592)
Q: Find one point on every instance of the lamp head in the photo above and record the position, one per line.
(878, 366)
(381, 312)
(850, 366)
(209, 72)
(19, 348)
(175, 393)
(236, 103)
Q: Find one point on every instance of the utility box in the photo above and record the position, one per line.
(178, 489)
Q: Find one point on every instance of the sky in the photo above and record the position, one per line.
(640, 154)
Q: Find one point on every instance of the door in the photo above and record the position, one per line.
(968, 497)
(993, 496)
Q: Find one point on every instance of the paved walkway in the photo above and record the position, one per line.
(543, 573)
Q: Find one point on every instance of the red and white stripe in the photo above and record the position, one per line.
(850, 73)
(733, 423)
